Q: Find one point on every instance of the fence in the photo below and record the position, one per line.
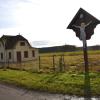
(26, 65)
(57, 63)
(52, 63)
(62, 63)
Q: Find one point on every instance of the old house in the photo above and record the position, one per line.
(16, 49)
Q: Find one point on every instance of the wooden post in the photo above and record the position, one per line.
(87, 88)
(39, 62)
(54, 62)
(63, 62)
(85, 57)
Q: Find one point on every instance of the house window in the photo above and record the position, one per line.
(9, 55)
(33, 53)
(25, 54)
(22, 43)
(1, 55)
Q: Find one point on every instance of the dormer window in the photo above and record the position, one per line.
(22, 43)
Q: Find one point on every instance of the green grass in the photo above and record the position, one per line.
(69, 83)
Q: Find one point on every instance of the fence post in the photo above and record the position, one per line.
(39, 62)
(63, 62)
(54, 62)
(60, 63)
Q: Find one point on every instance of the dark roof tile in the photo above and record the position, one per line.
(12, 40)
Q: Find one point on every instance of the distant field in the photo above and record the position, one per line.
(90, 52)
(73, 60)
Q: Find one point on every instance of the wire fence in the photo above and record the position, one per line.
(56, 63)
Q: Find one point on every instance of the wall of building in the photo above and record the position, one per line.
(27, 48)
(2, 50)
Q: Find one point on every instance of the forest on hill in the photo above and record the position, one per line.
(66, 48)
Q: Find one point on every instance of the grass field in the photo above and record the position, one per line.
(67, 83)
(74, 61)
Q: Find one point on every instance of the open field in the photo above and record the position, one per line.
(73, 61)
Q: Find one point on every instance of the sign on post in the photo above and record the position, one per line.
(83, 24)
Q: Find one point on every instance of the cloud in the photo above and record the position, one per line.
(6, 14)
(45, 43)
(40, 43)
(7, 11)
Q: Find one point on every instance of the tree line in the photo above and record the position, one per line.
(65, 48)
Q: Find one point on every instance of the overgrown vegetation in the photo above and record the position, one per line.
(69, 83)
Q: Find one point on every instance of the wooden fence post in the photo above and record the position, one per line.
(39, 62)
(54, 62)
(63, 62)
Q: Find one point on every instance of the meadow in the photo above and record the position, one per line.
(73, 61)
(65, 83)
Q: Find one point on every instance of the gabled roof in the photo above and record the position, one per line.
(10, 41)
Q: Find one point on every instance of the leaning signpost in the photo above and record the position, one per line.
(83, 25)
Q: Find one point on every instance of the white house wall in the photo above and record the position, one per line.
(7, 56)
(21, 49)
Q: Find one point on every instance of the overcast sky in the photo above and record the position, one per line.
(45, 21)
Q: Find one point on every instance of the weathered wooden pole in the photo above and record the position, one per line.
(87, 87)
(85, 56)
(39, 62)
(54, 62)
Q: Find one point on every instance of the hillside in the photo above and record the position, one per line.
(65, 48)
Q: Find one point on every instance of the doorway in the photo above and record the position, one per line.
(18, 56)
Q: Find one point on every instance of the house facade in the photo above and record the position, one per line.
(16, 49)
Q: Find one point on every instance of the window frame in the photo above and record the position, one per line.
(22, 43)
(26, 55)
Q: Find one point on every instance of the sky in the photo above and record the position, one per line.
(44, 22)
